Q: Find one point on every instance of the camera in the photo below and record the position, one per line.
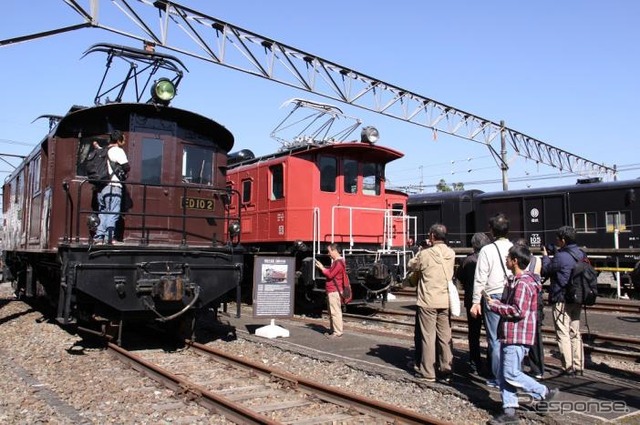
(120, 173)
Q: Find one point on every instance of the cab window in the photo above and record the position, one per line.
(151, 171)
(197, 165)
(277, 182)
(246, 191)
(350, 176)
(397, 209)
(328, 173)
(371, 177)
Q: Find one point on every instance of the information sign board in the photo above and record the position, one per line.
(273, 286)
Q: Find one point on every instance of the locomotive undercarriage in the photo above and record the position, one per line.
(371, 275)
(106, 287)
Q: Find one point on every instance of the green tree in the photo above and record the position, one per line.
(442, 186)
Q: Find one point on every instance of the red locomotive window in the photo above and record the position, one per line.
(350, 172)
(397, 209)
(277, 182)
(197, 165)
(233, 199)
(328, 173)
(246, 191)
(371, 176)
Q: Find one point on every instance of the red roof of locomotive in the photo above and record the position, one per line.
(365, 151)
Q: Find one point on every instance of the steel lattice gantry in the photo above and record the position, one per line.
(195, 34)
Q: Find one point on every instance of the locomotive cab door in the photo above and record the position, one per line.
(175, 186)
(151, 145)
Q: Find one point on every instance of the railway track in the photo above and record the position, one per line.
(603, 305)
(248, 392)
(622, 347)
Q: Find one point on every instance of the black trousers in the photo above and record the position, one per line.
(417, 341)
(475, 327)
(536, 353)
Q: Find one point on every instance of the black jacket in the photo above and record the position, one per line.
(559, 269)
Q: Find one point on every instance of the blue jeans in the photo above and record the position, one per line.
(491, 322)
(512, 379)
(109, 201)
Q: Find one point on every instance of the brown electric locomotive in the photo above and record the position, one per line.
(172, 251)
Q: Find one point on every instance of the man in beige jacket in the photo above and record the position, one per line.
(436, 266)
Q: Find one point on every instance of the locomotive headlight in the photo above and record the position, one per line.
(369, 135)
(234, 229)
(93, 221)
(163, 91)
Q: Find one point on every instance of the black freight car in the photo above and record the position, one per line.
(454, 209)
(605, 216)
(595, 210)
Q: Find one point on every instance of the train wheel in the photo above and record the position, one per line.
(112, 330)
(183, 327)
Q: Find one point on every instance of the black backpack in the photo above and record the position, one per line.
(582, 287)
(96, 166)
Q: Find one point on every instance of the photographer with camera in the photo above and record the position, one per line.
(110, 197)
(566, 315)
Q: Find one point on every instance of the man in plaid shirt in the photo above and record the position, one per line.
(518, 316)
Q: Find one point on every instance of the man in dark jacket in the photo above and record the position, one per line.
(566, 316)
(465, 275)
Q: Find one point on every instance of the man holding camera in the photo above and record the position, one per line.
(110, 197)
(566, 316)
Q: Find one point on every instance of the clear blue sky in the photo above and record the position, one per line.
(565, 72)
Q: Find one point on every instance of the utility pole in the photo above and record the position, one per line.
(503, 155)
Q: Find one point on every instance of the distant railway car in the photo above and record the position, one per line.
(595, 210)
(603, 214)
(172, 254)
(454, 209)
(299, 200)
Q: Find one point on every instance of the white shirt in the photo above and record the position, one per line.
(490, 270)
(117, 155)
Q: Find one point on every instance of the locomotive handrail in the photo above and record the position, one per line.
(388, 219)
(74, 235)
(387, 230)
(316, 239)
(386, 211)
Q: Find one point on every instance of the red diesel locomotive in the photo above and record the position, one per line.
(299, 200)
(173, 253)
